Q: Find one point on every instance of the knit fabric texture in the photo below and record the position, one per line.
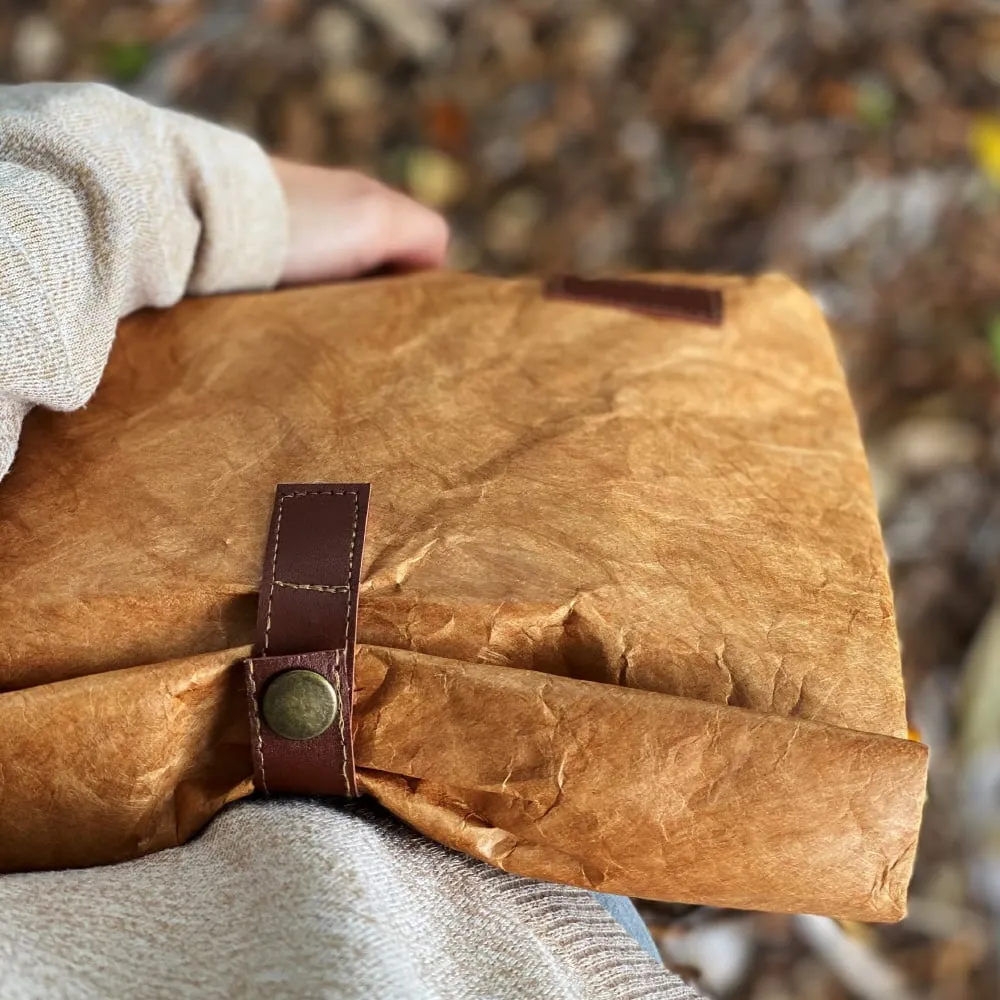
(302, 899)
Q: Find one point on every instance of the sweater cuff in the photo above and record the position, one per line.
(12, 414)
(235, 192)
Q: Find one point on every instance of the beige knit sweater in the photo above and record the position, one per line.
(107, 205)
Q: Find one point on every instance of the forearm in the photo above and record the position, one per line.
(107, 205)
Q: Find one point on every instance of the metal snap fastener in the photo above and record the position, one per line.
(299, 704)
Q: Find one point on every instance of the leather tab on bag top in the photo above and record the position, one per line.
(686, 302)
(300, 680)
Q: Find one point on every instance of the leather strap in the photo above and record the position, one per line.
(307, 620)
(687, 302)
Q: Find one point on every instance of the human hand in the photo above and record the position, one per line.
(343, 224)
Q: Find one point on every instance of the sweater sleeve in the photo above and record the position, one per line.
(107, 205)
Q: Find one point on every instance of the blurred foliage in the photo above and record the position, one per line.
(123, 62)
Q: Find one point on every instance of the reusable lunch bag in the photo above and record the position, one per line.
(617, 607)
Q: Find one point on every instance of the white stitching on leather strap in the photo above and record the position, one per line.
(274, 569)
(340, 668)
(259, 738)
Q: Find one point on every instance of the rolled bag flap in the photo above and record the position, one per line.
(611, 788)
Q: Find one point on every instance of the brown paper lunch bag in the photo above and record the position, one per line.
(624, 615)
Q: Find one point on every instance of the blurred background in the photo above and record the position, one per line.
(854, 144)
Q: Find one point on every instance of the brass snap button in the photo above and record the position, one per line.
(299, 704)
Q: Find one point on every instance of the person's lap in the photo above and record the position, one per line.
(623, 910)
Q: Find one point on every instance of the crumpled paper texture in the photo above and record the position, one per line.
(624, 621)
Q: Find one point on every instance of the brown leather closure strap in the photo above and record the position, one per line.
(300, 680)
(686, 302)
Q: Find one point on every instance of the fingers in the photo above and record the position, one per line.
(343, 224)
(412, 235)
